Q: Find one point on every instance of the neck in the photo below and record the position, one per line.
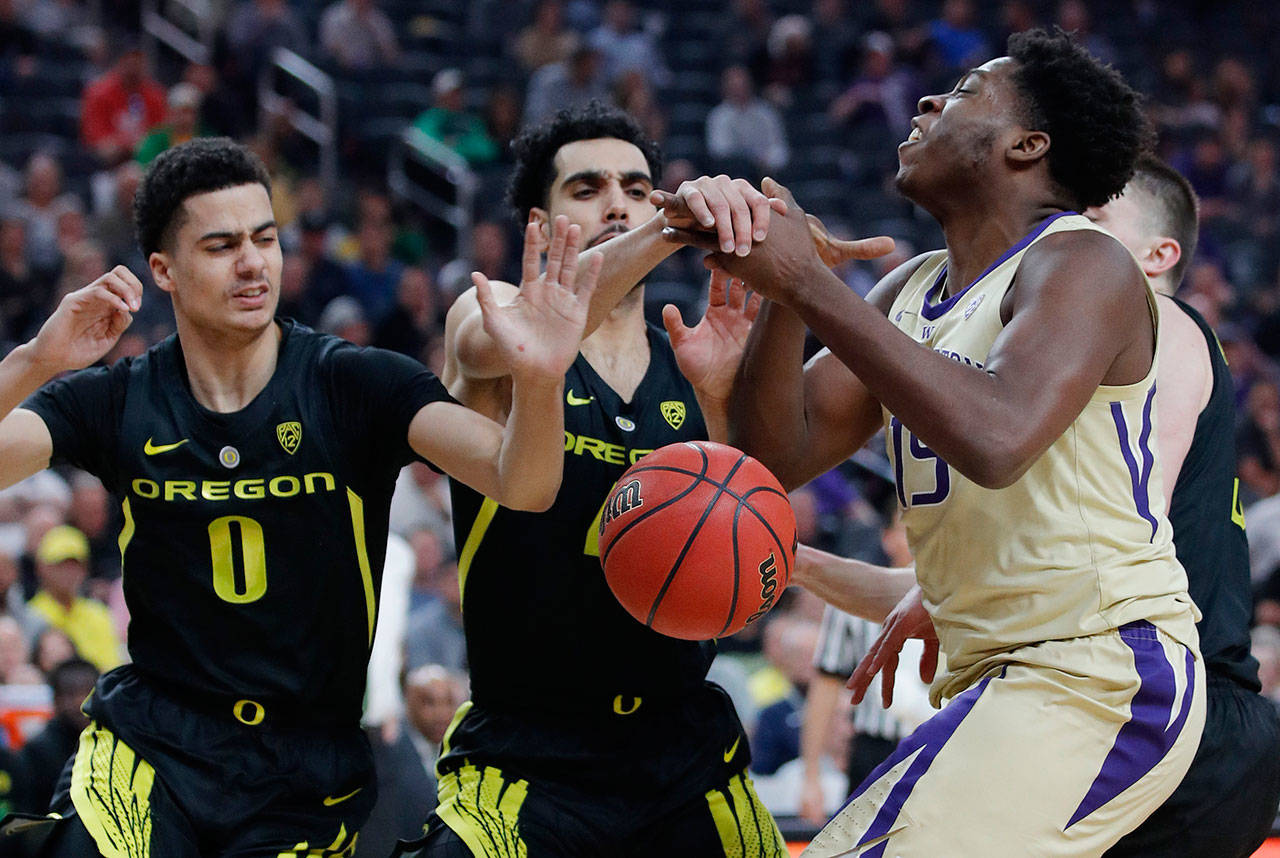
(623, 328)
(227, 371)
(979, 234)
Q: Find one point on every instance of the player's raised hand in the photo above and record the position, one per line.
(708, 354)
(837, 251)
(88, 322)
(908, 620)
(730, 211)
(538, 333)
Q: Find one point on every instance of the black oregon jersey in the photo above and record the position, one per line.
(1208, 528)
(253, 541)
(543, 629)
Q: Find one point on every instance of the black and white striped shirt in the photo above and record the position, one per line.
(842, 642)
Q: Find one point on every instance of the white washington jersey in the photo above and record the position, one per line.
(1079, 545)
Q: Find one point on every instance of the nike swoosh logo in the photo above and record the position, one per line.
(330, 801)
(576, 400)
(733, 749)
(152, 449)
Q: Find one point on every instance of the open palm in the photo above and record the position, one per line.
(540, 331)
(708, 354)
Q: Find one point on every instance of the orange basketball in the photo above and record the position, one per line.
(697, 540)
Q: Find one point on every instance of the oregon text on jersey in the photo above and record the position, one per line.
(250, 488)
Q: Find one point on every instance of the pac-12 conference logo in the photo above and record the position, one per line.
(290, 436)
(673, 412)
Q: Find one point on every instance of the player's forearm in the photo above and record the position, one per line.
(855, 587)
(960, 412)
(628, 259)
(531, 460)
(20, 376)
(715, 413)
(766, 410)
(819, 707)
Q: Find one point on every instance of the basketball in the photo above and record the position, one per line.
(697, 540)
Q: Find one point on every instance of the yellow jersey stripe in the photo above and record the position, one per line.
(362, 555)
(126, 532)
(483, 809)
(469, 548)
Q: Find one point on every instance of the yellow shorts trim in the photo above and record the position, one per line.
(343, 846)
(483, 808)
(111, 790)
(747, 829)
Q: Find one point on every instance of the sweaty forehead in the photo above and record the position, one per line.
(606, 155)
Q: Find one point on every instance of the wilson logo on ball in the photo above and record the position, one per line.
(625, 499)
(768, 587)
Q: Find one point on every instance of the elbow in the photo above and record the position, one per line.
(532, 502)
(998, 466)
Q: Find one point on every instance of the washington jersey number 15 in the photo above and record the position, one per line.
(905, 444)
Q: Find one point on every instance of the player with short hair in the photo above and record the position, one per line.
(1019, 414)
(589, 734)
(255, 461)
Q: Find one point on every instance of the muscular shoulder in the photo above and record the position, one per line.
(1186, 365)
(885, 292)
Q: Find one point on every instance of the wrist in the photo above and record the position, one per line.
(31, 366)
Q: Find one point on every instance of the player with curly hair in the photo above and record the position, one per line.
(1015, 374)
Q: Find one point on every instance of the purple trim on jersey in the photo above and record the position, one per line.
(1141, 482)
(930, 737)
(932, 311)
(1145, 739)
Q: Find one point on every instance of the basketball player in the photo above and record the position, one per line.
(588, 734)
(255, 462)
(1225, 805)
(1018, 409)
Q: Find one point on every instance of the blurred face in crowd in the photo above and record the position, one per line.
(13, 647)
(44, 180)
(222, 267)
(602, 185)
(52, 648)
(429, 703)
(63, 580)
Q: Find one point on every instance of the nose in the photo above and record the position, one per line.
(615, 204)
(252, 263)
(929, 104)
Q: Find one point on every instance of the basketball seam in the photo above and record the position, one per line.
(653, 611)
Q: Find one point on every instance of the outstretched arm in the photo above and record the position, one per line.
(537, 332)
(855, 587)
(84, 327)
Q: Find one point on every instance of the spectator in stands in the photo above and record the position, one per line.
(24, 292)
(405, 757)
(44, 756)
(502, 121)
(787, 67)
(487, 254)
(547, 40)
(62, 566)
(625, 47)
(421, 500)
(433, 632)
(835, 40)
(1074, 17)
(743, 126)
(883, 95)
(90, 513)
(373, 276)
(52, 648)
(255, 29)
(744, 31)
(1266, 649)
(957, 37)
(222, 109)
(449, 121)
(15, 649)
(1253, 189)
(344, 317)
(414, 320)
(788, 645)
(358, 36)
(12, 602)
(1258, 439)
(183, 123)
(634, 94)
(323, 278)
(120, 108)
(113, 226)
(572, 83)
(17, 44)
(43, 202)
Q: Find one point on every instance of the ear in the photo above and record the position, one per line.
(543, 220)
(1162, 254)
(162, 271)
(1028, 147)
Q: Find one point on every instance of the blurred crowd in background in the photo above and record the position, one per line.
(816, 93)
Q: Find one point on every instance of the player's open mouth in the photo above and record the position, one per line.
(915, 134)
(251, 294)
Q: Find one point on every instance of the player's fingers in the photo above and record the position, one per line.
(102, 293)
(696, 202)
(484, 294)
(929, 660)
(724, 218)
(692, 238)
(531, 260)
(132, 285)
(114, 284)
(739, 215)
(778, 206)
(555, 254)
(774, 188)
(758, 204)
(569, 266)
(752, 308)
(668, 202)
(737, 295)
(717, 291)
(887, 675)
(870, 248)
(673, 322)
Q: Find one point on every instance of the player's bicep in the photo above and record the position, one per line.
(470, 353)
(25, 446)
(840, 413)
(1183, 386)
(460, 442)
